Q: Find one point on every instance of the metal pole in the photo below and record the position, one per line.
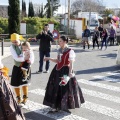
(51, 8)
(68, 16)
(2, 46)
(89, 19)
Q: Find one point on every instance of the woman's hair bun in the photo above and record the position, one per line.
(64, 38)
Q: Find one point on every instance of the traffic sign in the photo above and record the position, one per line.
(56, 35)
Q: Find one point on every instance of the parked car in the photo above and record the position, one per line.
(32, 40)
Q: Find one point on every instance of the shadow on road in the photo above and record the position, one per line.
(42, 114)
(111, 55)
(98, 70)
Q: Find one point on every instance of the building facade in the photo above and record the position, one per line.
(4, 11)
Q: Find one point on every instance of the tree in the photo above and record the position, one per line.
(38, 10)
(30, 10)
(41, 12)
(14, 16)
(107, 12)
(51, 7)
(118, 14)
(23, 8)
(87, 6)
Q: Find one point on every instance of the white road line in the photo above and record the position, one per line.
(91, 106)
(42, 109)
(102, 109)
(87, 92)
(115, 74)
(106, 78)
(101, 95)
(100, 85)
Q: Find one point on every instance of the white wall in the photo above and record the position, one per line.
(22, 28)
(74, 24)
(78, 28)
(51, 27)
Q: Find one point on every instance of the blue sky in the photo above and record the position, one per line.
(107, 3)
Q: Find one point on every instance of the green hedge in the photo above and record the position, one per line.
(34, 24)
(3, 25)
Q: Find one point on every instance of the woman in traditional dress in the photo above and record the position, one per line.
(17, 79)
(9, 109)
(63, 91)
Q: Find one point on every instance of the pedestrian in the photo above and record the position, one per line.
(63, 91)
(86, 35)
(46, 38)
(96, 37)
(17, 74)
(112, 36)
(100, 29)
(9, 109)
(104, 38)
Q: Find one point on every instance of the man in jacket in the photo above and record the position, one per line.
(46, 38)
(86, 35)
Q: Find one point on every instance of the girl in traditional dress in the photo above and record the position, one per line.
(17, 73)
(63, 91)
(9, 109)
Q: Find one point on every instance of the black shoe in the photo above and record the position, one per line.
(67, 111)
(39, 72)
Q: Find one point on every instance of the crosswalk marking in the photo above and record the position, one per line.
(101, 95)
(116, 74)
(102, 109)
(85, 91)
(106, 78)
(100, 85)
(91, 106)
(42, 109)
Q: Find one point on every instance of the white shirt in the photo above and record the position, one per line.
(21, 59)
(72, 55)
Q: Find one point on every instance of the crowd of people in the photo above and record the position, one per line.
(62, 90)
(100, 36)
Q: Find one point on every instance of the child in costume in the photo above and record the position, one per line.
(17, 73)
(26, 51)
(9, 109)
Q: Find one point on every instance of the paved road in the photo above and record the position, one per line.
(98, 77)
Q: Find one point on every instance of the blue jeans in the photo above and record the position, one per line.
(104, 41)
(41, 55)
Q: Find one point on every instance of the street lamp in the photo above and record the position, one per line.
(68, 16)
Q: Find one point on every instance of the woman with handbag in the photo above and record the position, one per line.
(63, 91)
